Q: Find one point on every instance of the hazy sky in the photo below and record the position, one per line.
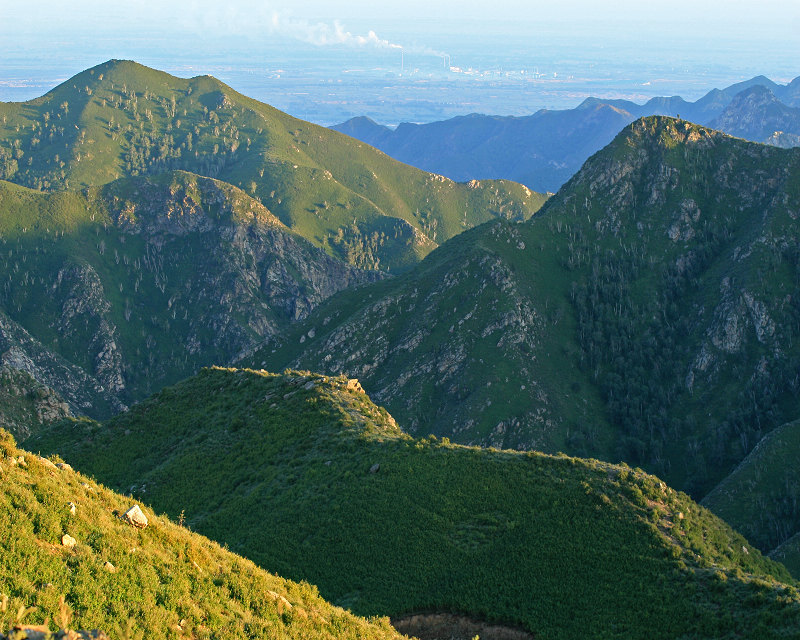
(782, 17)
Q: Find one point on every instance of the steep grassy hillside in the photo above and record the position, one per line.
(303, 474)
(123, 119)
(649, 313)
(761, 498)
(165, 580)
(114, 291)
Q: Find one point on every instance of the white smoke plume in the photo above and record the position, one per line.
(324, 34)
(251, 17)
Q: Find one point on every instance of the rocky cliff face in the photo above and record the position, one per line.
(25, 404)
(85, 311)
(22, 353)
(173, 273)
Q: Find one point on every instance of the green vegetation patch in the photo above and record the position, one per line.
(306, 476)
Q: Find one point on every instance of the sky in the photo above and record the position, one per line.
(708, 16)
(638, 48)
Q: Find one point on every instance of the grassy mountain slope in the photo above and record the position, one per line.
(761, 497)
(113, 291)
(545, 149)
(303, 474)
(648, 314)
(169, 582)
(123, 119)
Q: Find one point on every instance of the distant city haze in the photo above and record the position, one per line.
(410, 61)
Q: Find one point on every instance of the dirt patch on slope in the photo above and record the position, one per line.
(448, 626)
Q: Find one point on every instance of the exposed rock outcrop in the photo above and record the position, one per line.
(184, 272)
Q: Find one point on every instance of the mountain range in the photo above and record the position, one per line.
(646, 316)
(545, 149)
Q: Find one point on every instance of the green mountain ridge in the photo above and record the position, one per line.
(168, 581)
(322, 485)
(123, 119)
(648, 313)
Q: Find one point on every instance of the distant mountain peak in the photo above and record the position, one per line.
(757, 113)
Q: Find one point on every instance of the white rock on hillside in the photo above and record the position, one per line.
(135, 517)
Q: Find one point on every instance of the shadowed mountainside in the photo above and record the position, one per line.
(112, 292)
(648, 313)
